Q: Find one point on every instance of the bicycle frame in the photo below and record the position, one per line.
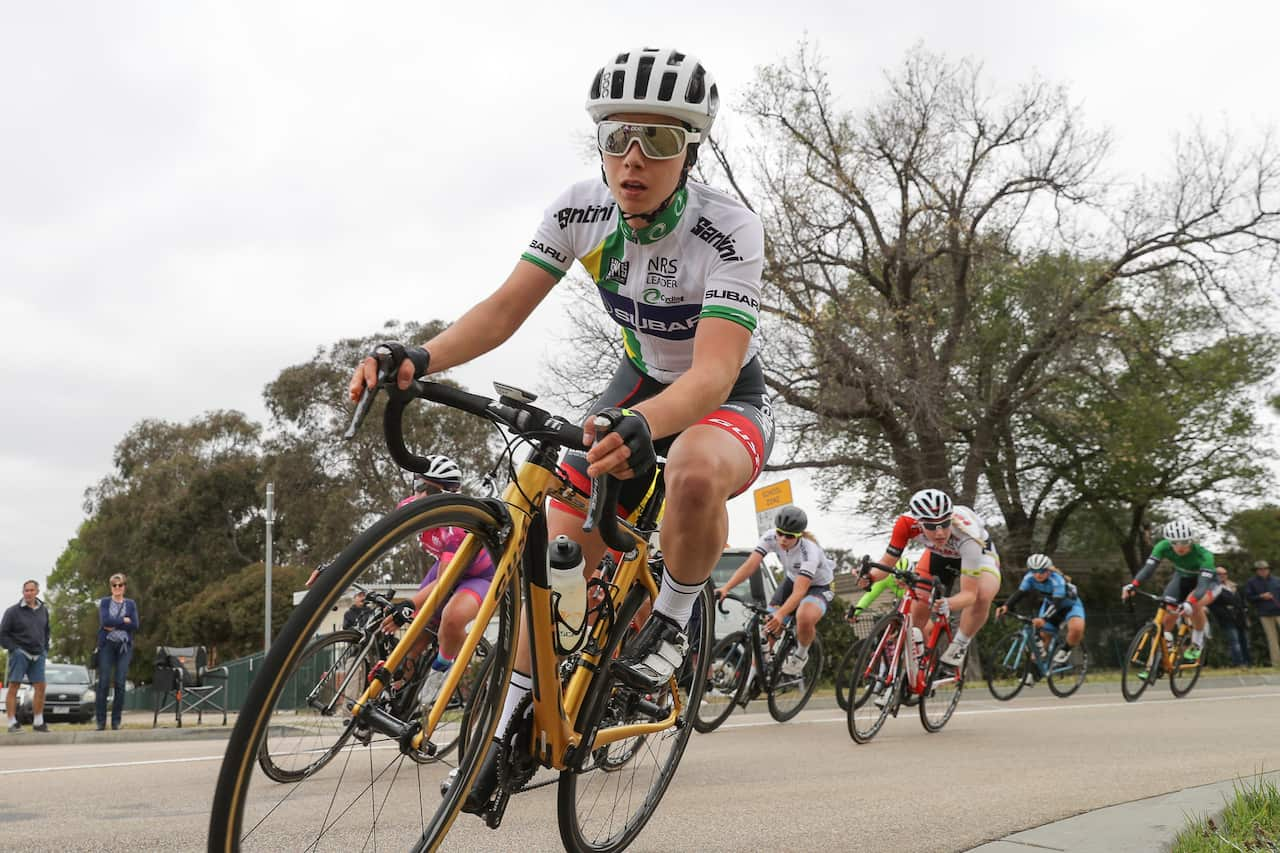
(1167, 653)
(917, 680)
(555, 705)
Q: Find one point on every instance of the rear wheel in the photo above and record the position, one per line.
(943, 693)
(728, 671)
(1141, 663)
(1066, 678)
(788, 693)
(311, 719)
(873, 682)
(1007, 668)
(1185, 673)
(604, 811)
(373, 788)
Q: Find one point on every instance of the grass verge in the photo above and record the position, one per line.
(1250, 822)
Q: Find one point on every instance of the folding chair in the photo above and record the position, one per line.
(183, 682)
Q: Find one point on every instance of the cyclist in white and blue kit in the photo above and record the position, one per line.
(805, 592)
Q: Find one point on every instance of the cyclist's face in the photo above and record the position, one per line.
(1182, 548)
(639, 184)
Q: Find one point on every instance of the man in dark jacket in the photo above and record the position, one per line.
(24, 634)
(356, 613)
(1228, 611)
(1263, 592)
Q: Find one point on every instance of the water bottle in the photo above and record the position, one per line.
(1040, 646)
(1168, 639)
(565, 566)
(917, 638)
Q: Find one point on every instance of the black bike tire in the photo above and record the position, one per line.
(932, 664)
(815, 656)
(1174, 687)
(996, 655)
(705, 726)
(269, 767)
(1132, 694)
(235, 775)
(1077, 680)
(864, 660)
(841, 676)
(570, 831)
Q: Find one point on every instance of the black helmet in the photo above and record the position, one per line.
(791, 519)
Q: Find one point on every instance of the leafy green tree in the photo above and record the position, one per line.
(227, 616)
(1257, 531)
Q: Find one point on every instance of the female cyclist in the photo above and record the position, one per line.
(1194, 582)
(806, 592)
(956, 543)
(677, 265)
(443, 475)
(1061, 604)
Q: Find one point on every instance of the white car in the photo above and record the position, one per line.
(759, 587)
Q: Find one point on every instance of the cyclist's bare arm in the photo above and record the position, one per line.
(718, 349)
(481, 329)
(746, 570)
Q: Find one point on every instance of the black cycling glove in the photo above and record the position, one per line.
(399, 352)
(633, 429)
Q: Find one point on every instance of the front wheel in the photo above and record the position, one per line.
(1008, 666)
(603, 811)
(1141, 664)
(943, 691)
(1065, 678)
(376, 790)
(793, 677)
(875, 679)
(728, 671)
(1185, 673)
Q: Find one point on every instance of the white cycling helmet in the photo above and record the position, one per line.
(441, 472)
(930, 505)
(1179, 530)
(655, 80)
(1039, 562)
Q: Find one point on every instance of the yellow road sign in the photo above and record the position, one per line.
(772, 496)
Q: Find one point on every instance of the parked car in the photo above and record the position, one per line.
(68, 695)
(760, 587)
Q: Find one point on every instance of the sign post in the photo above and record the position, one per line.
(768, 499)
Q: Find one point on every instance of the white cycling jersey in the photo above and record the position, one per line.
(702, 257)
(803, 559)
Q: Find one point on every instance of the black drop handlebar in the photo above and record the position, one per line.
(907, 576)
(527, 421)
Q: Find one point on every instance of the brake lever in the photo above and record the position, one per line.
(383, 355)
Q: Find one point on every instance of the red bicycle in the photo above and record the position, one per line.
(899, 666)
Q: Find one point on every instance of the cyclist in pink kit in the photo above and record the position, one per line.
(441, 542)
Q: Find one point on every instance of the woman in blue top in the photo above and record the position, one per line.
(1060, 605)
(117, 620)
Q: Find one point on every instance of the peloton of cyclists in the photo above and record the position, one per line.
(1194, 582)
(806, 590)
(956, 544)
(1060, 605)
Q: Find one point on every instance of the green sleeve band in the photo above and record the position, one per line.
(539, 262)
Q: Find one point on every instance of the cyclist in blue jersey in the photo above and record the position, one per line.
(1060, 604)
(677, 265)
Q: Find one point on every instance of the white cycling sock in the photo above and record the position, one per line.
(1197, 638)
(961, 639)
(675, 599)
(38, 721)
(519, 688)
(13, 721)
(802, 649)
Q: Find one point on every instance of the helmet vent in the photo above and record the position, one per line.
(642, 76)
(617, 83)
(697, 89)
(668, 86)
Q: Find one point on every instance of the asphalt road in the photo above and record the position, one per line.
(996, 768)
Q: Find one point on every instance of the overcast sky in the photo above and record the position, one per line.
(193, 197)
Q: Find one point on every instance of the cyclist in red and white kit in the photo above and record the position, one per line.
(956, 543)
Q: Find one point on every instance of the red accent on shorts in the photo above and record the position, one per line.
(748, 435)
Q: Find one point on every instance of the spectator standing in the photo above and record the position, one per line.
(356, 613)
(1228, 609)
(24, 633)
(117, 620)
(1263, 592)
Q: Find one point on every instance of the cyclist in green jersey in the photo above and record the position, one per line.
(1194, 582)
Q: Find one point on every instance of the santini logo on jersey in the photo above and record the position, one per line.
(716, 239)
(566, 216)
(618, 271)
(552, 251)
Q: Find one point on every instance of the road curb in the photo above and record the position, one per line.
(1141, 826)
